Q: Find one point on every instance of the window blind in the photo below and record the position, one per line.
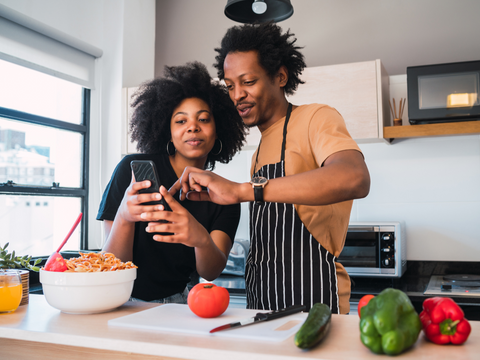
(30, 43)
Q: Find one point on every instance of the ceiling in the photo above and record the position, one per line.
(400, 33)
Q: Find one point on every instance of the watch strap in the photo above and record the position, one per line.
(258, 193)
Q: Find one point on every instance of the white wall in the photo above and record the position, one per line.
(138, 42)
(432, 185)
(124, 30)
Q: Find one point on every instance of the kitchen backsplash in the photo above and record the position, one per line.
(432, 185)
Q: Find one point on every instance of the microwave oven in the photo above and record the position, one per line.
(374, 249)
(443, 92)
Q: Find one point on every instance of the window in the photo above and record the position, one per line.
(44, 136)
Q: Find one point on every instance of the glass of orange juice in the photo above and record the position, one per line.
(10, 290)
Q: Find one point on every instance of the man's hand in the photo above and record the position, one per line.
(211, 250)
(219, 190)
(184, 227)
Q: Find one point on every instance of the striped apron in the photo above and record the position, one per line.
(286, 265)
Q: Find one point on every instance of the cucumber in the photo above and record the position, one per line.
(315, 328)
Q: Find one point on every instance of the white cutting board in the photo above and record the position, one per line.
(180, 319)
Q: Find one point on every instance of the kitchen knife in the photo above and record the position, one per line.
(262, 317)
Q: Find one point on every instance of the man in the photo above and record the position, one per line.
(305, 174)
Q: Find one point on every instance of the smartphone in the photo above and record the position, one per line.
(146, 170)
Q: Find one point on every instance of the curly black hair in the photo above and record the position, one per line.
(274, 50)
(155, 101)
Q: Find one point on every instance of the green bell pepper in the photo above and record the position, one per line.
(389, 323)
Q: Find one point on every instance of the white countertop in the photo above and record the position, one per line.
(39, 331)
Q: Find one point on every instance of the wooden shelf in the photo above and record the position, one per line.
(443, 129)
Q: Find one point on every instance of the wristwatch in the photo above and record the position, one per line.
(258, 183)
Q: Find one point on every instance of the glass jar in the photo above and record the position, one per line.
(10, 290)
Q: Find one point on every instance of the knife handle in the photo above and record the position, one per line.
(280, 313)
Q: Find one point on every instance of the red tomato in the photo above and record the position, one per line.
(364, 301)
(208, 300)
(56, 262)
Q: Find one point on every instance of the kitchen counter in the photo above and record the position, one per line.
(414, 283)
(41, 332)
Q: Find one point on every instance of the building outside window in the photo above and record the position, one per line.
(44, 142)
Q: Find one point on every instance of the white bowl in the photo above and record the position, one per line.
(87, 293)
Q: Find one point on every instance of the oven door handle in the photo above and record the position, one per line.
(360, 228)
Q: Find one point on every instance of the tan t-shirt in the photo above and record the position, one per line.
(314, 133)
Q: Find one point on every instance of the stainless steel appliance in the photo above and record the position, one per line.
(374, 249)
(454, 285)
(444, 92)
(237, 258)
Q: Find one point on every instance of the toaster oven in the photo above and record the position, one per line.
(374, 249)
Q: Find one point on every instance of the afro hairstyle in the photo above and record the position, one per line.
(154, 102)
(274, 50)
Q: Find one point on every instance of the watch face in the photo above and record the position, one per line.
(259, 180)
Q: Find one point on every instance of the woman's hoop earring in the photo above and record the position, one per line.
(171, 151)
(221, 147)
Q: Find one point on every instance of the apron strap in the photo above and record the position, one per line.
(284, 141)
(289, 111)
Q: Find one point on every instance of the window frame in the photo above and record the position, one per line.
(55, 190)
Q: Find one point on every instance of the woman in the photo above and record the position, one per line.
(182, 119)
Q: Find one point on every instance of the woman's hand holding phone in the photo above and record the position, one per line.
(184, 228)
(176, 225)
(133, 202)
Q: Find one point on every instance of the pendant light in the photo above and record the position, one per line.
(250, 11)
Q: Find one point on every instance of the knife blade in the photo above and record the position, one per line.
(259, 317)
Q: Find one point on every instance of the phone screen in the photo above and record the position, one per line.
(146, 170)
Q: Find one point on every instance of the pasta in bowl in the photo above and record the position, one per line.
(94, 283)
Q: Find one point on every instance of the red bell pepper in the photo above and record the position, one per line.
(443, 321)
